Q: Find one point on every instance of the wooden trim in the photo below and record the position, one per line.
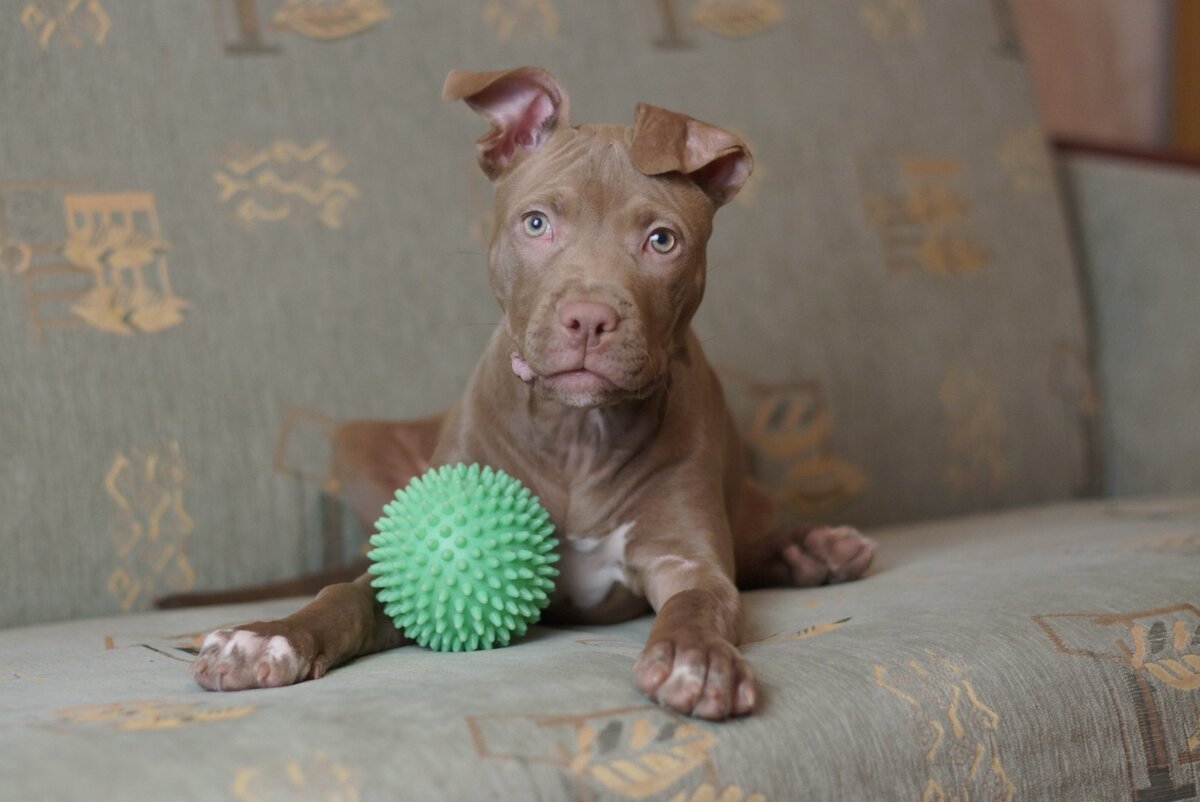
(1186, 124)
(1172, 158)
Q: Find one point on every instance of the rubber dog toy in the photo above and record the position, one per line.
(463, 558)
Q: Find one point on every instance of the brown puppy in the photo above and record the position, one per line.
(596, 394)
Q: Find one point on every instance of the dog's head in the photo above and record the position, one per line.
(597, 255)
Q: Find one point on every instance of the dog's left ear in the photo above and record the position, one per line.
(666, 141)
(524, 105)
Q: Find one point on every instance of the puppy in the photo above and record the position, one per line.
(594, 392)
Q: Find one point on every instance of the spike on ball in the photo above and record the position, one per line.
(466, 518)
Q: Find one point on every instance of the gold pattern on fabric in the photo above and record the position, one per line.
(31, 251)
(317, 777)
(1162, 644)
(976, 429)
(892, 19)
(670, 30)
(15, 256)
(800, 634)
(1156, 652)
(737, 18)
(954, 728)
(521, 19)
(71, 22)
(108, 272)
(788, 432)
(1172, 662)
(286, 181)
(328, 19)
(152, 714)
(115, 238)
(1023, 156)
(1192, 755)
(712, 793)
(150, 526)
(242, 29)
(304, 449)
(633, 752)
(920, 208)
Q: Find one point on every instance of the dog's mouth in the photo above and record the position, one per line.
(573, 375)
(579, 384)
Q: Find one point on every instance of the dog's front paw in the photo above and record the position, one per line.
(265, 655)
(698, 674)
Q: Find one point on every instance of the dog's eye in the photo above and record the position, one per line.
(662, 240)
(535, 224)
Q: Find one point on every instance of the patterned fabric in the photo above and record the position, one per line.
(1141, 245)
(226, 226)
(1049, 654)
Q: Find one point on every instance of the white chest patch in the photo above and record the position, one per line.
(588, 567)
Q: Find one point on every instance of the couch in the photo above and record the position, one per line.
(227, 227)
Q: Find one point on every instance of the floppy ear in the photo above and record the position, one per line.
(666, 141)
(524, 105)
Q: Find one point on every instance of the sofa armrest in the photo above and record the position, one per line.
(1136, 221)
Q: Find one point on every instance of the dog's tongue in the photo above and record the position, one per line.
(521, 368)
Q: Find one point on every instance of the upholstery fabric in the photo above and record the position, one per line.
(1141, 246)
(227, 226)
(1045, 654)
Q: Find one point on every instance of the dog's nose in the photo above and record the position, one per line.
(587, 321)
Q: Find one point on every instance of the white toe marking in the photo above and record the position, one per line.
(278, 648)
(243, 641)
(215, 639)
(683, 675)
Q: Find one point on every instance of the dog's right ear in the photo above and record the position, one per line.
(524, 105)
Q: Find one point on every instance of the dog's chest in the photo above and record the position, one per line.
(590, 567)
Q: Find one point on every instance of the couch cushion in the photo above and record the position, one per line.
(1140, 245)
(228, 225)
(1040, 654)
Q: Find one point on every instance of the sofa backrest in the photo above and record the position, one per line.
(227, 226)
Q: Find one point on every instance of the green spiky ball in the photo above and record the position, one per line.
(463, 558)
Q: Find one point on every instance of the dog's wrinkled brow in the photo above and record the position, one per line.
(559, 200)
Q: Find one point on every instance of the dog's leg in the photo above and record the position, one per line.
(373, 459)
(691, 662)
(801, 555)
(343, 622)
